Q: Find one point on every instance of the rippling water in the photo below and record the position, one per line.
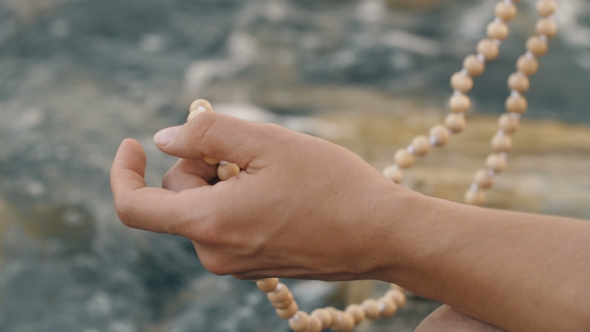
(79, 76)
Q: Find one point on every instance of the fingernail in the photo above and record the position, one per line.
(165, 136)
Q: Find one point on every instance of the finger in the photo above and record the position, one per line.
(218, 136)
(152, 209)
(187, 174)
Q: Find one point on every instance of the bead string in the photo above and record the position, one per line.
(488, 49)
(462, 82)
(516, 104)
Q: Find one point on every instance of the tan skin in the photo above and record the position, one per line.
(305, 208)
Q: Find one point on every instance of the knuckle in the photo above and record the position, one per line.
(200, 128)
(122, 208)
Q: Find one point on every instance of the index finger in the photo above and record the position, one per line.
(152, 209)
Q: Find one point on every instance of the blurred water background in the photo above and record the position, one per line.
(78, 76)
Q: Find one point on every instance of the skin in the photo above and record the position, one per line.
(305, 208)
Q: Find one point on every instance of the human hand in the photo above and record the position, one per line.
(301, 207)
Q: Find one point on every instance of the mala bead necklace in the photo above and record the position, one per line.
(462, 82)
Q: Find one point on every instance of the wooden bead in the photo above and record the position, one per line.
(211, 161)
(516, 104)
(527, 66)
(497, 30)
(280, 294)
(518, 82)
(483, 179)
(455, 122)
(508, 123)
(334, 314)
(201, 103)
(461, 82)
(497, 162)
(289, 312)
(537, 46)
(501, 143)
(546, 7)
(324, 316)
(399, 297)
(315, 325)
(394, 174)
(505, 11)
(227, 171)
(267, 285)
(357, 312)
(421, 145)
(404, 159)
(546, 27)
(475, 197)
(387, 307)
(441, 135)
(473, 66)
(459, 103)
(283, 305)
(345, 322)
(488, 48)
(300, 322)
(371, 308)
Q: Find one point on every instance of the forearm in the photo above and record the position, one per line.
(520, 272)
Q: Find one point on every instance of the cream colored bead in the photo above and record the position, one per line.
(505, 11)
(211, 161)
(280, 294)
(476, 198)
(459, 103)
(289, 312)
(227, 171)
(537, 46)
(345, 322)
(547, 27)
(529, 66)
(324, 316)
(371, 308)
(334, 314)
(488, 48)
(283, 305)
(300, 322)
(516, 104)
(441, 134)
(315, 325)
(461, 82)
(497, 30)
(501, 143)
(387, 307)
(357, 312)
(421, 145)
(399, 298)
(519, 82)
(394, 174)
(483, 179)
(508, 123)
(546, 7)
(497, 162)
(473, 66)
(455, 122)
(267, 285)
(201, 103)
(404, 159)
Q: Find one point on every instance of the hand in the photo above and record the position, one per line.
(302, 207)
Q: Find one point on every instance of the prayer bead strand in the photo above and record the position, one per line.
(459, 103)
(516, 104)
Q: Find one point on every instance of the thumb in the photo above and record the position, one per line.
(217, 136)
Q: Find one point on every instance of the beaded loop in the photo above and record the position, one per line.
(473, 65)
